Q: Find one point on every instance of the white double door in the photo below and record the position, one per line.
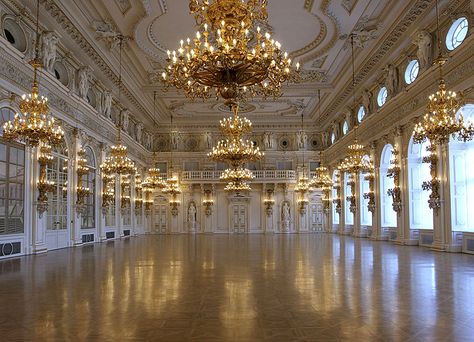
(239, 221)
(161, 218)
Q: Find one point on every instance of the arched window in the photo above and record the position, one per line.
(333, 138)
(389, 217)
(349, 217)
(12, 181)
(365, 214)
(335, 215)
(457, 33)
(345, 128)
(88, 181)
(382, 96)
(420, 214)
(411, 72)
(361, 113)
(461, 160)
(57, 200)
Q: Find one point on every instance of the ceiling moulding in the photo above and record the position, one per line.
(340, 99)
(53, 9)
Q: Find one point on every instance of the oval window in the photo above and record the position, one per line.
(345, 128)
(457, 33)
(382, 96)
(411, 73)
(333, 138)
(361, 113)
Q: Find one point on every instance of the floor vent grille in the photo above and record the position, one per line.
(10, 248)
(109, 235)
(87, 238)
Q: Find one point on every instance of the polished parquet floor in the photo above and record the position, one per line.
(238, 288)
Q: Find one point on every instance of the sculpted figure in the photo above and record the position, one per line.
(367, 101)
(139, 133)
(49, 41)
(125, 120)
(423, 41)
(106, 100)
(208, 139)
(392, 79)
(148, 140)
(84, 76)
(192, 215)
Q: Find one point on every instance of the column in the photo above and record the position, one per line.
(377, 233)
(342, 196)
(74, 212)
(358, 230)
(98, 200)
(133, 218)
(118, 205)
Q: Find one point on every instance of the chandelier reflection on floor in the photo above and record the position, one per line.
(228, 57)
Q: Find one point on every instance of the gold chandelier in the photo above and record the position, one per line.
(303, 185)
(235, 150)
(323, 181)
(173, 189)
(237, 179)
(355, 162)
(229, 57)
(440, 121)
(34, 124)
(118, 162)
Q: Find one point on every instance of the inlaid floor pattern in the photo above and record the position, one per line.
(238, 288)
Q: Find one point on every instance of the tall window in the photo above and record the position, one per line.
(57, 200)
(88, 217)
(461, 161)
(365, 214)
(389, 217)
(420, 214)
(12, 181)
(347, 192)
(335, 215)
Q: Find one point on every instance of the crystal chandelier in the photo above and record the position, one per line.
(440, 121)
(173, 189)
(229, 57)
(321, 180)
(118, 162)
(303, 185)
(34, 124)
(236, 151)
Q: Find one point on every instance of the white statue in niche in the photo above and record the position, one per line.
(192, 216)
(423, 41)
(84, 76)
(285, 217)
(174, 140)
(208, 139)
(106, 100)
(139, 133)
(49, 41)
(148, 140)
(325, 138)
(301, 139)
(392, 79)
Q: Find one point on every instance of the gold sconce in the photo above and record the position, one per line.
(124, 186)
(352, 199)
(208, 202)
(432, 185)
(370, 195)
(394, 172)
(269, 202)
(147, 190)
(138, 194)
(44, 185)
(337, 186)
(81, 191)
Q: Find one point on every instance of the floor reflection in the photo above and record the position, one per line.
(211, 288)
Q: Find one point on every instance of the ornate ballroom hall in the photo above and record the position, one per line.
(236, 170)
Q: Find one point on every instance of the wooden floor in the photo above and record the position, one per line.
(238, 288)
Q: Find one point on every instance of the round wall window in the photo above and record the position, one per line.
(457, 33)
(382, 96)
(361, 113)
(411, 72)
(14, 34)
(333, 138)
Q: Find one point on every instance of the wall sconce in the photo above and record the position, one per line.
(44, 185)
(269, 202)
(432, 185)
(208, 202)
(81, 191)
(370, 195)
(108, 192)
(394, 172)
(148, 200)
(174, 204)
(124, 199)
(337, 186)
(302, 204)
(138, 194)
(352, 199)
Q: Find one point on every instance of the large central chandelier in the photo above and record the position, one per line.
(34, 124)
(440, 121)
(229, 57)
(118, 162)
